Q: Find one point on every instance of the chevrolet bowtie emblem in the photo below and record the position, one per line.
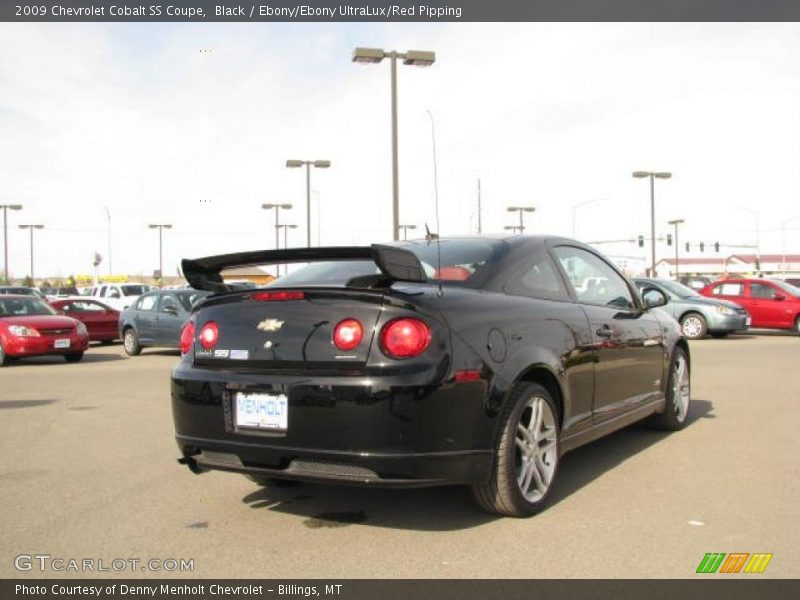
(270, 325)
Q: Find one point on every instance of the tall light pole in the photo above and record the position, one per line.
(675, 223)
(277, 207)
(653, 175)
(755, 213)
(783, 235)
(513, 228)
(521, 209)
(6, 208)
(31, 227)
(418, 58)
(405, 229)
(108, 216)
(286, 227)
(575, 207)
(161, 227)
(317, 164)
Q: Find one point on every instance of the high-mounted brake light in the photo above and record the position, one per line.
(277, 296)
(209, 335)
(348, 334)
(405, 338)
(187, 338)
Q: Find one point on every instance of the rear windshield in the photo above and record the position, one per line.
(462, 262)
(786, 287)
(18, 290)
(24, 307)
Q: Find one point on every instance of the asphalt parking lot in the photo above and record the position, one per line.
(88, 470)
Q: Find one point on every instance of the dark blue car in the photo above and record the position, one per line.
(156, 319)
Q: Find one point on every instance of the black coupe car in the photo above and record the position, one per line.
(474, 361)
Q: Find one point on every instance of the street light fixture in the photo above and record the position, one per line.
(419, 58)
(405, 229)
(31, 227)
(6, 208)
(653, 175)
(675, 223)
(513, 228)
(317, 164)
(521, 209)
(161, 227)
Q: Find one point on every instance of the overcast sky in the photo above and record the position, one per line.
(138, 119)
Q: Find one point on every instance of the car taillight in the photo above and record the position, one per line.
(404, 338)
(209, 335)
(348, 334)
(187, 338)
(277, 296)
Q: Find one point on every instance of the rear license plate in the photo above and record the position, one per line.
(262, 411)
(61, 344)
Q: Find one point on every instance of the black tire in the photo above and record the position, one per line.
(696, 325)
(674, 416)
(4, 358)
(130, 342)
(503, 495)
(719, 335)
(73, 358)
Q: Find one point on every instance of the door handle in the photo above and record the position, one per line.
(604, 331)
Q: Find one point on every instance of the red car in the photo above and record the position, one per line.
(772, 304)
(100, 319)
(31, 327)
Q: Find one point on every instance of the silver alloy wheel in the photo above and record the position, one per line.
(2, 354)
(680, 387)
(692, 327)
(536, 452)
(130, 341)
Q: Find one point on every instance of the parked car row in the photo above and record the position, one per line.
(143, 318)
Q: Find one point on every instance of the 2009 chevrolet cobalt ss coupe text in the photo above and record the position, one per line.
(472, 361)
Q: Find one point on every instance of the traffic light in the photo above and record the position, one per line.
(702, 247)
(669, 239)
(716, 246)
(641, 241)
(687, 246)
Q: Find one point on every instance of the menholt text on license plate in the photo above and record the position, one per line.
(262, 411)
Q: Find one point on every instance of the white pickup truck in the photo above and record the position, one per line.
(119, 295)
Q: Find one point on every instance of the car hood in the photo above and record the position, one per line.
(702, 300)
(40, 321)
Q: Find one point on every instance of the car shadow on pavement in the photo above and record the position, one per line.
(585, 464)
(449, 508)
(45, 361)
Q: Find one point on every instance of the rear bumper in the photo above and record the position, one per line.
(348, 429)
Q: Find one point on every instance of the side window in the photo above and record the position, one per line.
(729, 289)
(593, 279)
(540, 279)
(168, 300)
(147, 302)
(103, 291)
(87, 307)
(762, 290)
(113, 292)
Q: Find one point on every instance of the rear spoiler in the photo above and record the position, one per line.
(395, 264)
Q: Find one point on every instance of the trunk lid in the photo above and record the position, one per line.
(286, 334)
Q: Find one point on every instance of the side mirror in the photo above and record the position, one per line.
(654, 297)
(779, 297)
(170, 310)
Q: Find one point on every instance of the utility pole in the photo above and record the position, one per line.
(479, 207)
